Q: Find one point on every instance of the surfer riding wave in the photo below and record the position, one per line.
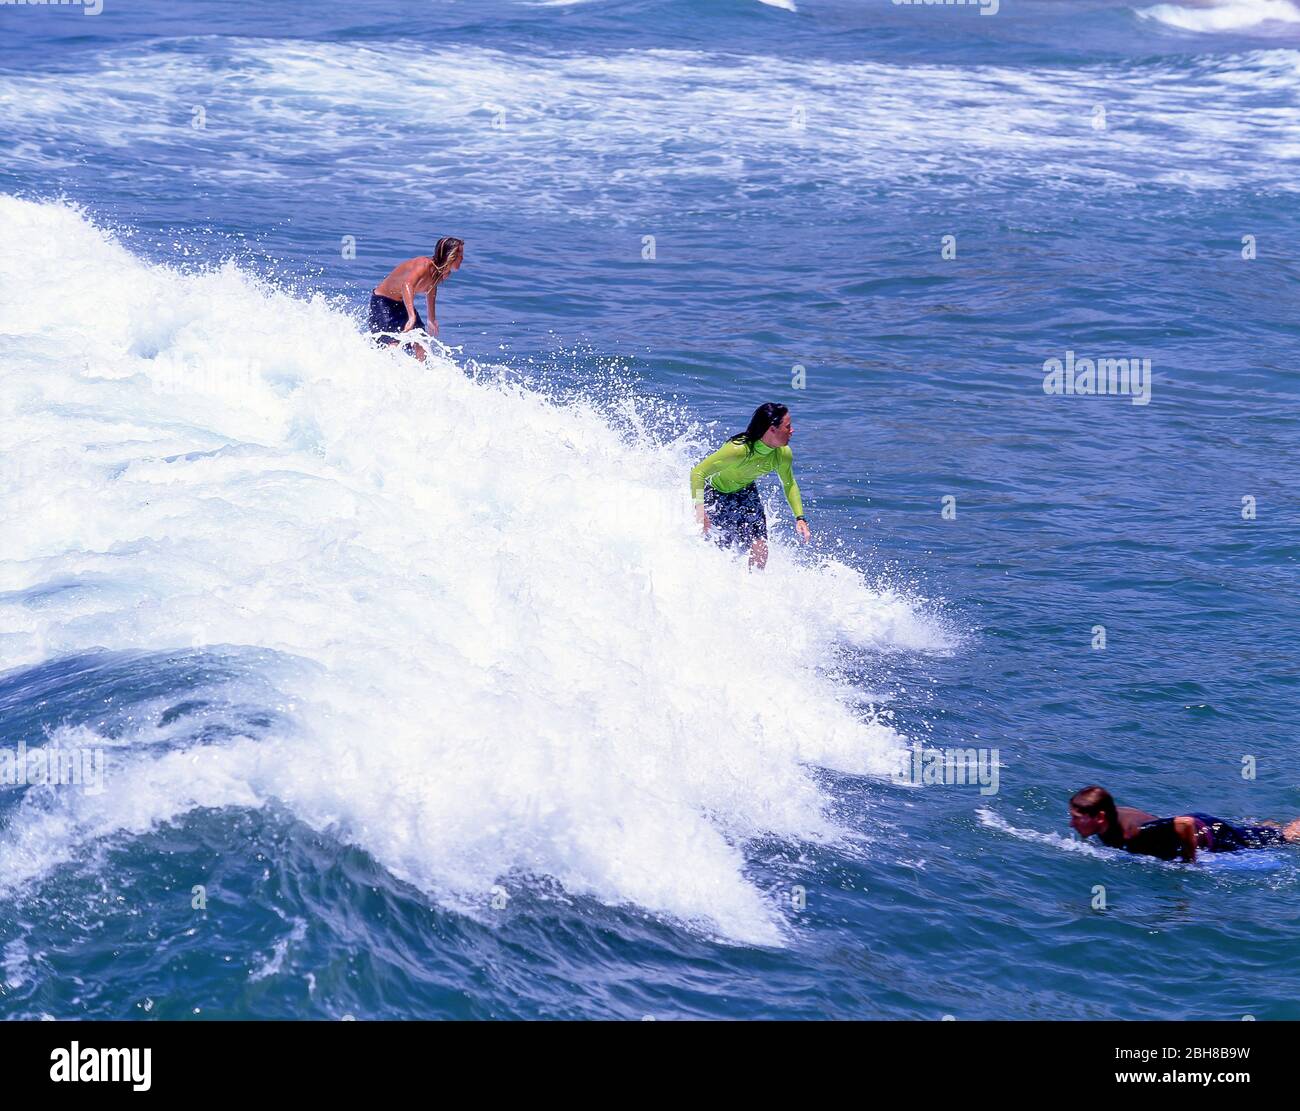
(392, 303)
(723, 484)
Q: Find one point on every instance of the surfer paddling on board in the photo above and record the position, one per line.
(723, 489)
(1092, 810)
(392, 304)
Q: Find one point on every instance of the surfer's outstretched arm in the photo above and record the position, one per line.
(785, 469)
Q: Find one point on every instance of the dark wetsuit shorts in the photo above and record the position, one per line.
(387, 315)
(737, 519)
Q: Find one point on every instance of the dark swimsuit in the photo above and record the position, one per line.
(1158, 838)
(388, 315)
(738, 519)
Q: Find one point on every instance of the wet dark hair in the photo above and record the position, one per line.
(768, 415)
(1095, 801)
(444, 252)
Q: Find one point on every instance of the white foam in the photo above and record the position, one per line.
(1070, 844)
(275, 962)
(14, 964)
(516, 656)
(577, 132)
(1223, 15)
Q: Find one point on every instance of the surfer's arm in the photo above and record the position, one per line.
(785, 468)
(433, 310)
(710, 466)
(408, 299)
(1185, 827)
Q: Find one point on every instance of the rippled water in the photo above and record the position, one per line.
(420, 677)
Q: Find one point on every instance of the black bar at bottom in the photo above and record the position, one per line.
(543, 1060)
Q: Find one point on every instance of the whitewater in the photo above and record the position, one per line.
(441, 612)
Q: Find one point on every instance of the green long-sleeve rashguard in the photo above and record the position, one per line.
(734, 466)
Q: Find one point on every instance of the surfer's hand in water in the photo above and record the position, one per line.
(702, 515)
(409, 325)
(434, 329)
(805, 533)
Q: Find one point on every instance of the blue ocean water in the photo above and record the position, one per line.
(417, 695)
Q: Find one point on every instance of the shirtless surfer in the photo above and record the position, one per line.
(392, 304)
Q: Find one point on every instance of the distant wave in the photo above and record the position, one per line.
(1223, 15)
(580, 135)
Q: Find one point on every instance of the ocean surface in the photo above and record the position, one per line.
(415, 693)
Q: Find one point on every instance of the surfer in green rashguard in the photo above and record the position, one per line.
(724, 491)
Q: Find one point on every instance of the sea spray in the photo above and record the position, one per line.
(506, 671)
